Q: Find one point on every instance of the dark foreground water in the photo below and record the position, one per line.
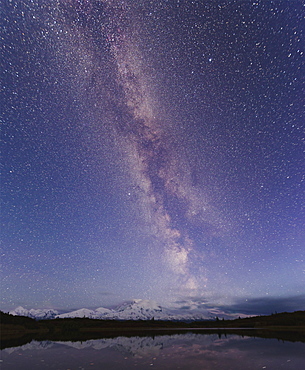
(189, 351)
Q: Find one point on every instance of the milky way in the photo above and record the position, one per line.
(161, 176)
(153, 150)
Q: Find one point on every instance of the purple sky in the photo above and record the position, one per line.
(153, 151)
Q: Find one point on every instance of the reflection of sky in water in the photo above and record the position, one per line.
(188, 351)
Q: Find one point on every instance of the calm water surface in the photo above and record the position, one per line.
(188, 351)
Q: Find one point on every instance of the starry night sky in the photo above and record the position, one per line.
(153, 150)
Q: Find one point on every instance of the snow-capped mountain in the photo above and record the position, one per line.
(138, 309)
(99, 313)
(38, 314)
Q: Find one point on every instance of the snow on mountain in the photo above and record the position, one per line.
(140, 309)
(99, 313)
(102, 311)
(83, 312)
(20, 311)
(37, 314)
(137, 309)
(140, 305)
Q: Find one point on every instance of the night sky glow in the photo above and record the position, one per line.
(153, 150)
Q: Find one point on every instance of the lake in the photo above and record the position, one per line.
(189, 351)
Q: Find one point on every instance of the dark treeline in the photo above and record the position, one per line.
(17, 330)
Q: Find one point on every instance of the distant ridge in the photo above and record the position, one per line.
(38, 314)
(137, 309)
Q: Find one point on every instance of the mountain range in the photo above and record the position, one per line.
(137, 309)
